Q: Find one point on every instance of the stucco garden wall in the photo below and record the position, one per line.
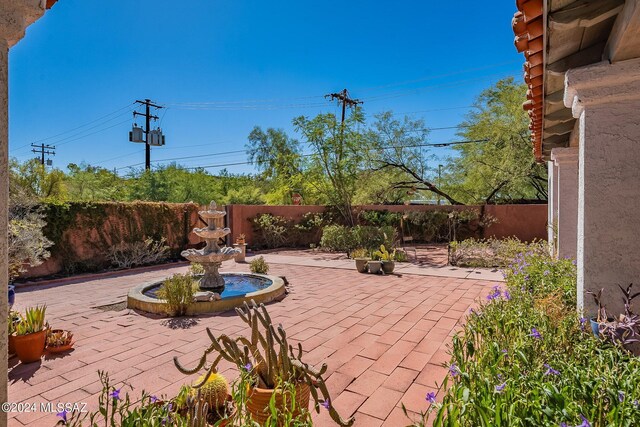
(526, 222)
(82, 233)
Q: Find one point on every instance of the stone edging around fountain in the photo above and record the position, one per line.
(138, 301)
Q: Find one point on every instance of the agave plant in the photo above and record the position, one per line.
(268, 364)
(33, 321)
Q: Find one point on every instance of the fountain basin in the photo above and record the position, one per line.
(239, 287)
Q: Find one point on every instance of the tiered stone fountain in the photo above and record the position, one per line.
(218, 292)
(211, 256)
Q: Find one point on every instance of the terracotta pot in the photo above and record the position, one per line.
(258, 402)
(30, 348)
(12, 345)
(388, 266)
(361, 264)
(61, 348)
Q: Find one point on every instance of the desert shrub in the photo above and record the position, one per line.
(27, 245)
(360, 253)
(178, 291)
(492, 252)
(525, 358)
(308, 230)
(127, 255)
(380, 218)
(259, 266)
(270, 230)
(428, 226)
(339, 238)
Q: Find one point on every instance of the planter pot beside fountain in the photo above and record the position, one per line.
(374, 266)
(388, 266)
(362, 264)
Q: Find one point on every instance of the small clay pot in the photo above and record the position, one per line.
(60, 348)
(374, 266)
(30, 347)
(361, 264)
(388, 266)
(259, 398)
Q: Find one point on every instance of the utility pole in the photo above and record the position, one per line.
(147, 115)
(343, 97)
(43, 149)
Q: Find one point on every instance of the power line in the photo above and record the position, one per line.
(435, 145)
(73, 129)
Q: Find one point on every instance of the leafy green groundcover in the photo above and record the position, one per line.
(526, 358)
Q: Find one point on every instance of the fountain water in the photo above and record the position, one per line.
(211, 256)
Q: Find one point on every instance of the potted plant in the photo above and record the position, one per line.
(11, 296)
(59, 341)
(625, 329)
(12, 321)
(387, 258)
(269, 361)
(240, 240)
(362, 258)
(31, 334)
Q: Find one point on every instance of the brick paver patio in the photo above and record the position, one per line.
(383, 338)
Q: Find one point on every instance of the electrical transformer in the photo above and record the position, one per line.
(136, 134)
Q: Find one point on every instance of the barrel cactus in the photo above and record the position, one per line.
(213, 391)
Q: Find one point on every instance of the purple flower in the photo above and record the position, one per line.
(574, 262)
(535, 334)
(431, 397)
(563, 424)
(453, 370)
(507, 295)
(546, 272)
(501, 387)
(115, 394)
(326, 404)
(585, 422)
(248, 367)
(550, 370)
(636, 404)
(621, 396)
(154, 399)
(505, 352)
(63, 415)
(493, 295)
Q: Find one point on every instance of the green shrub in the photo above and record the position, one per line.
(270, 231)
(178, 292)
(338, 238)
(525, 358)
(380, 218)
(491, 252)
(259, 266)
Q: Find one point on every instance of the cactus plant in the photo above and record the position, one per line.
(213, 391)
(268, 364)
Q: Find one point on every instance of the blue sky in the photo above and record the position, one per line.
(222, 67)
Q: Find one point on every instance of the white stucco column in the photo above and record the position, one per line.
(606, 100)
(15, 16)
(566, 162)
(552, 208)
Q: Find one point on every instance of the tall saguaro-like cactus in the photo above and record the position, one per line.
(268, 364)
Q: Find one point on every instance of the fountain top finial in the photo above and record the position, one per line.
(213, 205)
